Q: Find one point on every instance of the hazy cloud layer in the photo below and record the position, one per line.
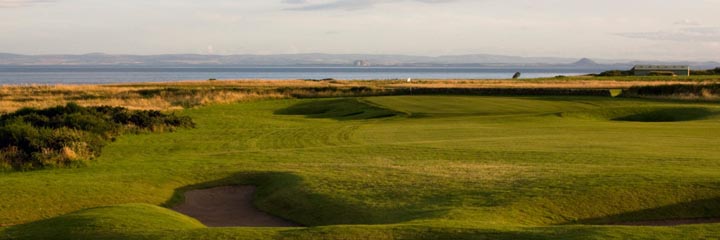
(689, 34)
(19, 3)
(311, 5)
(564, 28)
(689, 22)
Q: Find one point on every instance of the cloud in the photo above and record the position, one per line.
(688, 22)
(688, 34)
(314, 5)
(20, 3)
(295, 1)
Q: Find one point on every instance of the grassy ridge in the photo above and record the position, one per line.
(136, 221)
(440, 168)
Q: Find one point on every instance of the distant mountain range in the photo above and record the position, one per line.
(319, 60)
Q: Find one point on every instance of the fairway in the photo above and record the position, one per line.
(397, 167)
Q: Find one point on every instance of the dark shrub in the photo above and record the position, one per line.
(72, 134)
(715, 71)
(616, 73)
(662, 73)
(675, 90)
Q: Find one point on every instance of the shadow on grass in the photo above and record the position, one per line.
(645, 114)
(691, 212)
(419, 232)
(284, 195)
(339, 109)
(669, 115)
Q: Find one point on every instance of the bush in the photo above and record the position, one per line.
(704, 92)
(662, 73)
(708, 72)
(616, 73)
(71, 135)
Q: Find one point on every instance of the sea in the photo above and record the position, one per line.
(107, 75)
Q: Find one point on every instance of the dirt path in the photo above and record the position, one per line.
(670, 222)
(229, 206)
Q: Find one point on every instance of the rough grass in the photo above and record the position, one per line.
(178, 95)
(447, 167)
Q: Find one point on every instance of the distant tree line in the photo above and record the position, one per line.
(71, 135)
(616, 73)
(623, 73)
(715, 71)
(679, 91)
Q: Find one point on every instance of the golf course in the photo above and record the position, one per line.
(431, 166)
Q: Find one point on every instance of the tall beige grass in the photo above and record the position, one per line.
(165, 96)
(184, 94)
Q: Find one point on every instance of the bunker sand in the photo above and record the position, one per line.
(229, 206)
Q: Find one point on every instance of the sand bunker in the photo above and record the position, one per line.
(229, 206)
(670, 222)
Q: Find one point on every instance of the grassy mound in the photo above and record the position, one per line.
(339, 109)
(647, 114)
(130, 221)
(71, 134)
(466, 106)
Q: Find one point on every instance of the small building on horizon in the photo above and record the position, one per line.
(660, 70)
(362, 63)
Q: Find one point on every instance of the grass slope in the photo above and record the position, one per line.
(423, 167)
(116, 222)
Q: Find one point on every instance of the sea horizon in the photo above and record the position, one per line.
(18, 75)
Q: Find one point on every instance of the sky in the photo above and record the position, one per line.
(601, 29)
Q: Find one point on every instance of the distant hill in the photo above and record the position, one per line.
(585, 62)
(318, 59)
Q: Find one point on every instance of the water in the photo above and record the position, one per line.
(99, 75)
